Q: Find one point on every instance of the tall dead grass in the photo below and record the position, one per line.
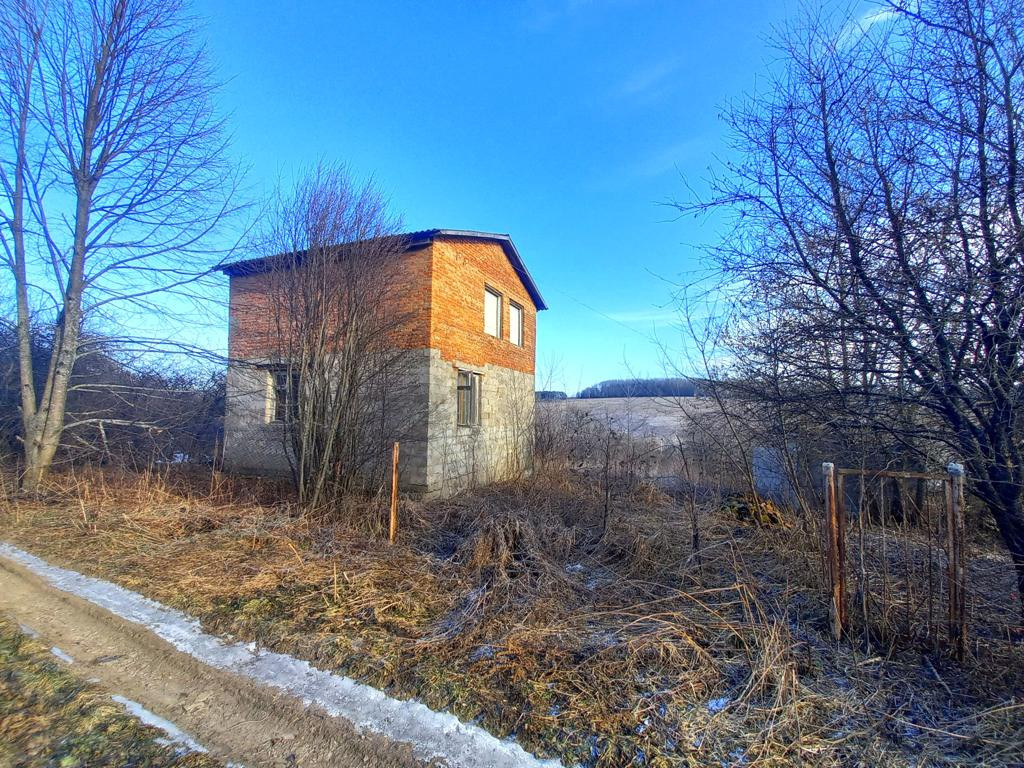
(603, 641)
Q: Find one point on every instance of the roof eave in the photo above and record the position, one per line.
(419, 240)
(513, 255)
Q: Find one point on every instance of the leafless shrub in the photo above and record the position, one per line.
(335, 320)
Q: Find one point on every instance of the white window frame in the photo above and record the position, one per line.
(515, 323)
(488, 291)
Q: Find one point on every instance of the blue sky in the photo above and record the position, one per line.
(564, 123)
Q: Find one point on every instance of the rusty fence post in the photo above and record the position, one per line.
(393, 527)
(956, 559)
(840, 508)
(833, 549)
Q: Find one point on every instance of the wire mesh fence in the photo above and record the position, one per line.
(897, 557)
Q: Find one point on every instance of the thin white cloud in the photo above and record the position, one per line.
(863, 24)
(650, 81)
(549, 15)
(646, 317)
(667, 159)
(871, 18)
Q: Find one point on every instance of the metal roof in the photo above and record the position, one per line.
(416, 240)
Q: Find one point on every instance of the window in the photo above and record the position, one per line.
(492, 313)
(285, 383)
(468, 399)
(515, 324)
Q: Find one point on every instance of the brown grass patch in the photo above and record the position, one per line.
(516, 607)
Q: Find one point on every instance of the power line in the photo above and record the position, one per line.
(605, 316)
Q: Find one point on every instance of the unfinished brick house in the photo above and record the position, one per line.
(470, 349)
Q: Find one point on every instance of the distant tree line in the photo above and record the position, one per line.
(669, 387)
(551, 394)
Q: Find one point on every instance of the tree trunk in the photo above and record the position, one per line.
(42, 436)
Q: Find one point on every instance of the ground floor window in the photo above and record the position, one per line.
(468, 399)
(284, 393)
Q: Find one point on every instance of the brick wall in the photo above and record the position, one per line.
(462, 270)
(439, 288)
(254, 329)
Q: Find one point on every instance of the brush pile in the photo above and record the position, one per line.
(603, 640)
(754, 510)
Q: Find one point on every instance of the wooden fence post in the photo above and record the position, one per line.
(833, 549)
(393, 528)
(957, 560)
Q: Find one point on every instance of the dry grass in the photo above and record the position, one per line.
(512, 607)
(48, 717)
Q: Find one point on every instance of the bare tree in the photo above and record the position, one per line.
(876, 260)
(337, 316)
(112, 179)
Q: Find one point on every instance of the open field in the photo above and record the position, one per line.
(663, 418)
(649, 431)
(510, 607)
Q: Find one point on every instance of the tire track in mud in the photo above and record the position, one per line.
(256, 708)
(236, 719)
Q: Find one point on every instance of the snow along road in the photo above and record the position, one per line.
(244, 705)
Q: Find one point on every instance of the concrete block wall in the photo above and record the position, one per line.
(500, 448)
(256, 444)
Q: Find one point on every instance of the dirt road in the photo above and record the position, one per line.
(235, 718)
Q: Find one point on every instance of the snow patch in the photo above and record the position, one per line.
(175, 736)
(66, 658)
(717, 705)
(433, 735)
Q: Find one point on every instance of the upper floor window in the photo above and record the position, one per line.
(515, 323)
(492, 313)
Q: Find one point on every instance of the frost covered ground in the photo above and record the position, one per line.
(50, 717)
(433, 735)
